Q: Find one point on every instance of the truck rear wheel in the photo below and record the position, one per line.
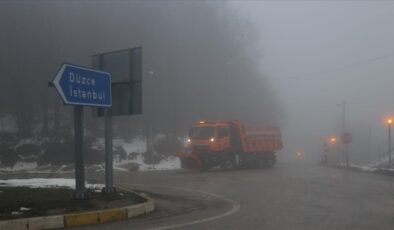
(271, 160)
(261, 163)
(266, 160)
(269, 163)
(227, 164)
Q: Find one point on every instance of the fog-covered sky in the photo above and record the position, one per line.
(320, 53)
(315, 54)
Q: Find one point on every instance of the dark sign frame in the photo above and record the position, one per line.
(125, 67)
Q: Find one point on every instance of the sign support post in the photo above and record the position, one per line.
(126, 68)
(109, 183)
(80, 190)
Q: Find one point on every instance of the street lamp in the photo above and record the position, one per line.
(389, 122)
(331, 141)
(298, 155)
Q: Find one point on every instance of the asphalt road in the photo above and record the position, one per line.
(288, 196)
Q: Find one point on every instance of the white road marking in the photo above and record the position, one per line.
(235, 207)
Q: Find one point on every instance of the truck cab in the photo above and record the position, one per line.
(207, 137)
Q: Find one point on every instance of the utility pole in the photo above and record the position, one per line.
(390, 145)
(345, 145)
(325, 157)
(369, 142)
(389, 122)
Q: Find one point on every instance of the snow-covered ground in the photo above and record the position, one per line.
(21, 165)
(136, 147)
(167, 164)
(371, 167)
(33, 140)
(379, 163)
(45, 183)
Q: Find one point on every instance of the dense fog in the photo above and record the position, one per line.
(196, 61)
(273, 64)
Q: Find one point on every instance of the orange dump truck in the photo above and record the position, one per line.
(230, 144)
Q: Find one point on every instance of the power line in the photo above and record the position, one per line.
(332, 70)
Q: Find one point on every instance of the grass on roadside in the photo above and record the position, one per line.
(18, 202)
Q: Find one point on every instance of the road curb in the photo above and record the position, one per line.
(82, 218)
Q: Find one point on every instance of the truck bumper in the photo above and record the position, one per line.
(189, 161)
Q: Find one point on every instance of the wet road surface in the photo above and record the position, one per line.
(288, 196)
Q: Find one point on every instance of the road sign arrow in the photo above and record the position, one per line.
(78, 85)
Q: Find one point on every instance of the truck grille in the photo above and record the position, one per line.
(201, 148)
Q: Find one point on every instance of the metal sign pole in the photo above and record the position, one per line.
(80, 190)
(347, 155)
(389, 149)
(109, 184)
(126, 82)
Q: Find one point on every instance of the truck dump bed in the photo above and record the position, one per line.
(230, 144)
(261, 139)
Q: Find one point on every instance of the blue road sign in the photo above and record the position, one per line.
(78, 85)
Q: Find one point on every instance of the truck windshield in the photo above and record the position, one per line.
(201, 133)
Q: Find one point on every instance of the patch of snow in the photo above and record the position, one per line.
(387, 169)
(98, 144)
(24, 158)
(16, 213)
(34, 140)
(351, 164)
(367, 168)
(137, 145)
(100, 168)
(382, 161)
(170, 163)
(44, 183)
(21, 166)
(45, 166)
(360, 167)
(60, 169)
(95, 187)
(23, 209)
(120, 169)
(38, 183)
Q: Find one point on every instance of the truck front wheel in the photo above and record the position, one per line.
(227, 164)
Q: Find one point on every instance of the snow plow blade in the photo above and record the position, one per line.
(189, 161)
